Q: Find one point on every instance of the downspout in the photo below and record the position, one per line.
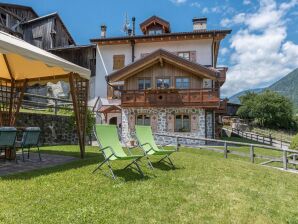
(132, 50)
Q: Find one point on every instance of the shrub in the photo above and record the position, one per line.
(294, 143)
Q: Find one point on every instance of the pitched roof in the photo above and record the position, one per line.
(159, 56)
(155, 19)
(54, 14)
(19, 6)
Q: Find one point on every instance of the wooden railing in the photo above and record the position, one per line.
(171, 97)
(289, 156)
(261, 138)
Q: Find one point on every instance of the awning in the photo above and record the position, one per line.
(20, 60)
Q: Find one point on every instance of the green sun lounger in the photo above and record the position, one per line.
(147, 143)
(110, 146)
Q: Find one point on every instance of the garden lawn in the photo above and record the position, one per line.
(205, 188)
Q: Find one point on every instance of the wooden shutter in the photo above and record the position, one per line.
(193, 56)
(131, 122)
(118, 61)
(153, 122)
(171, 122)
(194, 122)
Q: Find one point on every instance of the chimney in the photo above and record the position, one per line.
(133, 26)
(199, 24)
(103, 31)
(129, 32)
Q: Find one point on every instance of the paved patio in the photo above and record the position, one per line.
(48, 160)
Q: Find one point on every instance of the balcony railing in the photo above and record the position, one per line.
(170, 97)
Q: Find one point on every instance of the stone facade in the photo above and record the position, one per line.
(55, 130)
(162, 122)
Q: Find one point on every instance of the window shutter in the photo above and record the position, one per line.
(131, 122)
(170, 122)
(194, 122)
(118, 61)
(153, 122)
(193, 56)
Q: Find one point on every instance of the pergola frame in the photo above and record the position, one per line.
(12, 92)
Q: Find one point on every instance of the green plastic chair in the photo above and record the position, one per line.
(110, 146)
(147, 143)
(30, 139)
(8, 137)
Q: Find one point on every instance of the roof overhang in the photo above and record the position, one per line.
(203, 34)
(161, 56)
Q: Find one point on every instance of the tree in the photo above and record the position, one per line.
(268, 109)
(246, 111)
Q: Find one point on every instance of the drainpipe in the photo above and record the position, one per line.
(133, 43)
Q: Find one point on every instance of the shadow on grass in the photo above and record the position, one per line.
(91, 158)
(165, 166)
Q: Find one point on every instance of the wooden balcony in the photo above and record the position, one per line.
(207, 98)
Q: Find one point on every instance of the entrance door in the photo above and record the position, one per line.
(113, 120)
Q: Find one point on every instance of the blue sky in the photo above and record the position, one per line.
(262, 48)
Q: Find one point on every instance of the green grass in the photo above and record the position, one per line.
(205, 188)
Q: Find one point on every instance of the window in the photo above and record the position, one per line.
(143, 119)
(118, 61)
(155, 32)
(182, 123)
(185, 55)
(182, 83)
(163, 83)
(144, 84)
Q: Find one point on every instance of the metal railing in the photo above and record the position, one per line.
(289, 156)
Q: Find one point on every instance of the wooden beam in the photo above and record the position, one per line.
(73, 92)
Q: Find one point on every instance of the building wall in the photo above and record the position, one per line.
(162, 122)
(104, 56)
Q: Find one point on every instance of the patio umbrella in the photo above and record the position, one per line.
(22, 65)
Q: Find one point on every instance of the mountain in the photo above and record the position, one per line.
(287, 86)
(236, 98)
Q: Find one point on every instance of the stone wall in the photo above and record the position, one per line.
(55, 130)
(162, 123)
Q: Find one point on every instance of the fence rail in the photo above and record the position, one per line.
(289, 156)
(261, 138)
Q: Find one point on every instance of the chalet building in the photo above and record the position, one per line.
(164, 79)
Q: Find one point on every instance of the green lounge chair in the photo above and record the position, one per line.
(109, 144)
(147, 143)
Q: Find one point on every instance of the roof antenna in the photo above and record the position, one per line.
(126, 24)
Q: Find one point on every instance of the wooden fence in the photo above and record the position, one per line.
(261, 138)
(39, 102)
(289, 156)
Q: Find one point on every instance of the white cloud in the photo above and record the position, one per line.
(261, 53)
(205, 10)
(224, 51)
(195, 4)
(178, 2)
(246, 2)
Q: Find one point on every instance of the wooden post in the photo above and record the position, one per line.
(226, 150)
(294, 159)
(252, 154)
(79, 89)
(285, 160)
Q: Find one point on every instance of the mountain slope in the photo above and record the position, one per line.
(287, 86)
(236, 98)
